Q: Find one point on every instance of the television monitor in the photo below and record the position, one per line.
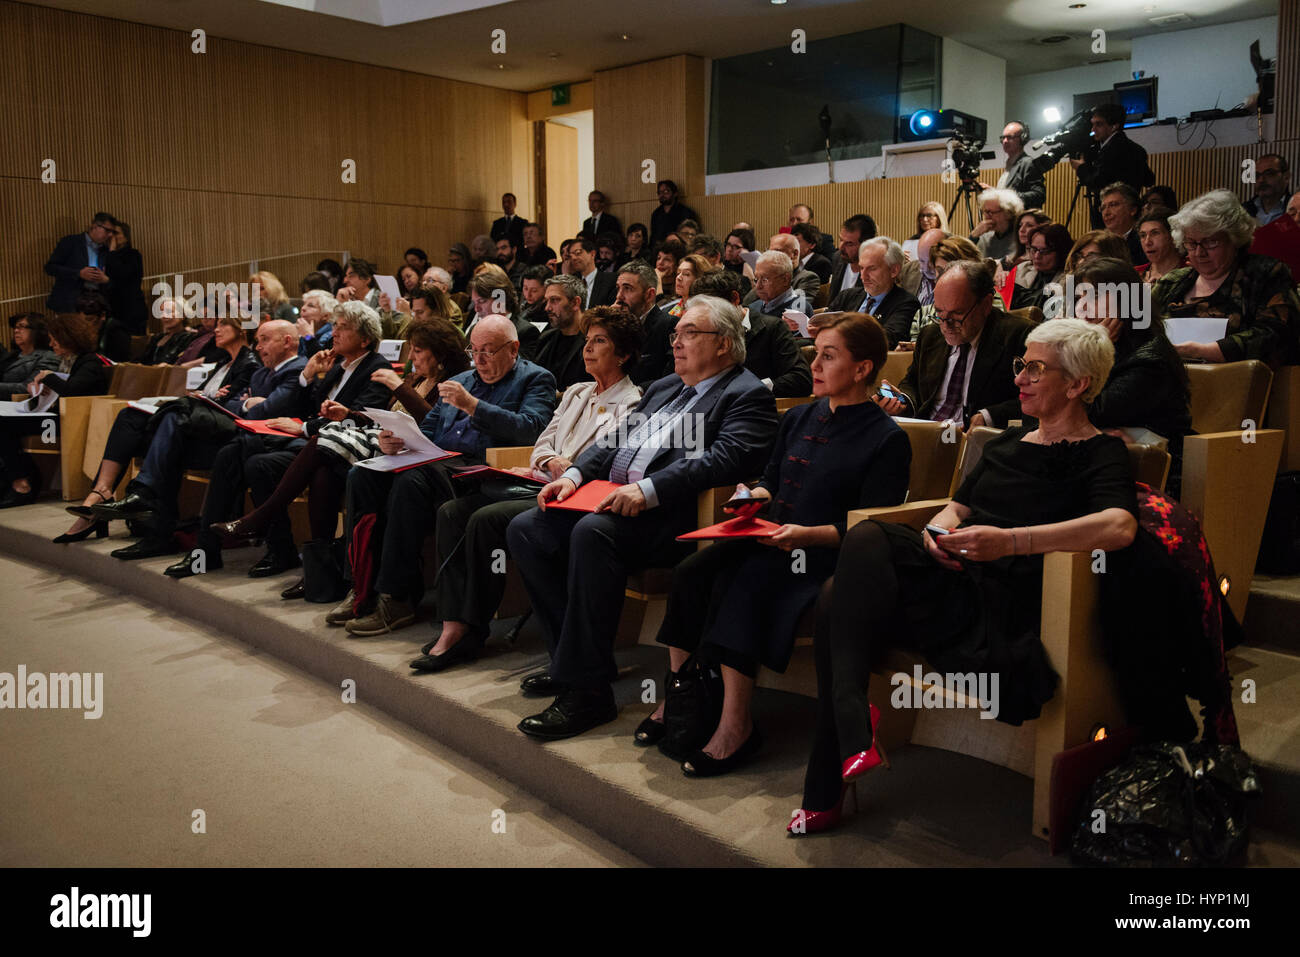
(1086, 101)
(1138, 97)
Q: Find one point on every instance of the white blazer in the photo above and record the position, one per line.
(582, 418)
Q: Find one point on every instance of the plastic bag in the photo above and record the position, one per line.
(1168, 804)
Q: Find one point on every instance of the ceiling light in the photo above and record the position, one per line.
(1077, 6)
(625, 36)
(778, 2)
(1052, 114)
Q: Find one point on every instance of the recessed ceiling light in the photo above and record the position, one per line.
(625, 36)
(501, 66)
(778, 2)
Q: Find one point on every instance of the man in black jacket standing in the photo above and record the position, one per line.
(1112, 158)
(78, 263)
(670, 213)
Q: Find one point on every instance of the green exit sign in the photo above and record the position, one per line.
(560, 95)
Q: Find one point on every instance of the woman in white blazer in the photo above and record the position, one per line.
(471, 531)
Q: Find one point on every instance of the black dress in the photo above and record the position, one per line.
(986, 618)
(744, 599)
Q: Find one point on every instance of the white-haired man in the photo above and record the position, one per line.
(880, 261)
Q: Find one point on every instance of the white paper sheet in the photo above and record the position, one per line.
(151, 403)
(800, 318)
(1195, 329)
(388, 286)
(195, 376)
(419, 448)
(391, 349)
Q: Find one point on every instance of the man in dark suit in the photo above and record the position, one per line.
(1112, 158)
(804, 283)
(810, 259)
(559, 351)
(1119, 214)
(711, 423)
(582, 262)
(961, 369)
(509, 225)
(855, 231)
(803, 213)
(78, 264)
(535, 252)
(880, 263)
(600, 221)
(258, 462)
(635, 291)
(669, 214)
(503, 400)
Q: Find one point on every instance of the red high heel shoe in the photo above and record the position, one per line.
(811, 822)
(862, 762)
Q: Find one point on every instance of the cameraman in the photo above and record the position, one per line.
(1022, 175)
(1111, 158)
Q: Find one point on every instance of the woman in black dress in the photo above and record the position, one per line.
(969, 600)
(736, 603)
(166, 347)
(125, 270)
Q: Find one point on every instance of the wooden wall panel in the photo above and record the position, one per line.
(1286, 102)
(236, 154)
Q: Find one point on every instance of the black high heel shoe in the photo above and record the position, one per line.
(83, 511)
(702, 765)
(99, 528)
(14, 498)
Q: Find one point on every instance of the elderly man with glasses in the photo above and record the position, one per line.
(502, 400)
(961, 370)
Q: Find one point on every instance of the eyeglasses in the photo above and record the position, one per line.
(1035, 367)
(1208, 245)
(1118, 205)
(484, 354)
(954, 323)
(1039, 250)
(688, 335)
(735, 245)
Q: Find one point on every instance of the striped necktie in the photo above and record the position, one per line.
(624, 456)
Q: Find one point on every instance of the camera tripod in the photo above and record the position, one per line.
(965, 190)
(1090, 200)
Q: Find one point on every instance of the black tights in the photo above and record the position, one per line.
(316, 470)
(853, 628)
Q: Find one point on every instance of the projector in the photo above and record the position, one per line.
(939, 124)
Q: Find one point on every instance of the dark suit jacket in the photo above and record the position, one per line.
(894, 313)
(608, 224)
(561, 356)
(772, 352)
(1135, 252)
(515, 229)
(664, 222)
(358, 393)
(246, 363)
(1026, 179)
(125, 271)
(821, 265)
(1120, 161)
(518, 416)
(837, 276)
(541, 257)
(603, 289)
(115, 340)
(656, 359)
(992, 386)
(89, 375)
(279, 388)
(739, 426)
(68, 259)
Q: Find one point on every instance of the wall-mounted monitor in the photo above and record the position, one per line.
(1138, 97)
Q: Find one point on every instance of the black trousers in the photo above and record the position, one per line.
(246, 463)
(15, 460)
(700, 582)
(471, 535)
(575, 567)
(405, 508)
(128, 437)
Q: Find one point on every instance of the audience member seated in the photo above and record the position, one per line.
(459, 268)
(609, 252)
(708, 247)
(1293, 207)
(670, 212)
(771, 350)
(856, 230)
(969, 601)
(1162, 254)
(503, 400)
(77, 264)
(492, 295)
(1256, 294)
(482, 249)
(73, 339)
(273, 301)
(408, 280)
(1147, 388)
(532, 294)
(31, 353)
(803, 213)
(417, 259)
(925, 247)
(202, 349)
(687, 230)
(112, 338)
(125, 270)
(575, 564)
(735, 605)
(669, 255)
(995, 234)
(1026, 223)
(560, 350)
(962, 368)
(1049, 248)
(636, 283)
(321, 466)
(165, 347)
(582, 263)
(535, 251)
(1098, 242)
(804, 282)
(810, 260)
(739, 241)
(440, 278)
(508, 259)
(471, 528)
(879, 262)
(691, 268)
(179, 435)
(772, 293)
(1159, 197)
(315, 329)
(931, 215)
(1272, 189)
(638, 245)
(315, 280)
(1119, 212)
(334, 270)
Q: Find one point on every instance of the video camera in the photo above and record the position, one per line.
(1073, 138)
(966, 155)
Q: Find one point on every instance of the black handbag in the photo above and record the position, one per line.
(692, 708)
(323, 562)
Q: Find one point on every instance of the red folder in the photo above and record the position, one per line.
(1008, 287)
(262, 427)
(733, 528)
(487, 471)
(587, 497)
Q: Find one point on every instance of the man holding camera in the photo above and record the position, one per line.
(1112, 158)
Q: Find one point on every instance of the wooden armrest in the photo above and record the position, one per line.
(915, 514)
(509, 456)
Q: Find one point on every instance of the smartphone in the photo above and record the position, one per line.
(937, 530)
(888, 393)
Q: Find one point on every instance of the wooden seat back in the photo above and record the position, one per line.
(936, 450)
(1226, 394)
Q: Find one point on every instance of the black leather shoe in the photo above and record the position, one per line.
(649, 732)
(540, 685)
(297, 590)
(572, 713)
(701, 765)
(146, 548)
(467, 649)
(134, 506)
(270, 565)
(185, 567)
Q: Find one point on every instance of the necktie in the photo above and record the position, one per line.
(624, 456)
(951, 406)
(869, 305)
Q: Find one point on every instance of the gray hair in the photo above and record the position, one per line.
(324, 300)
(361, 318)
(1217, 211)
(499, 323)
(437, 274)
(644, 274)
(778, 259)
(573, 287)
(894, 255)
(726, 318)
(1007, 199)
(1083, 349)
